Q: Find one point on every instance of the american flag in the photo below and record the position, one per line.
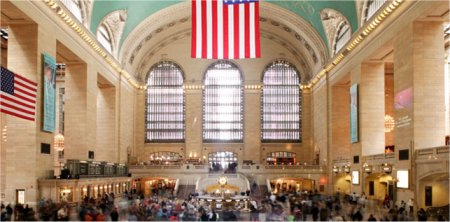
(18, 95)
(225, 29)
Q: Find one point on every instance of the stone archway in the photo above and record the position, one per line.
(433, 190)
(342, 183)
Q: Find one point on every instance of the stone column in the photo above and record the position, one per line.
(252, 125)
(193, 123)
(371, 109)
(81, 102)
(106, 124)
(340, 122)
(21, 139)
(419, 85)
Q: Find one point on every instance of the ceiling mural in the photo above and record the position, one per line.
(139, 10)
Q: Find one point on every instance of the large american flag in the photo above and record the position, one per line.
(225, 29)
(18, 95)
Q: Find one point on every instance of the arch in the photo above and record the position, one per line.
(74, 7)
(223, 103)
(331, 21)
(165, 121)
(104, 36)
(281, 158)
(149, 35)
(342, 36)
(286, 184)
(370, 7)
(165, 155)
(222, 160)
(281, 123)
(114, 24)
(168, 61)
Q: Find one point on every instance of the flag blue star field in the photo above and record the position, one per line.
(225, 29)
(18, 95)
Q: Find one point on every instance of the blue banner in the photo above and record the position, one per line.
(49, 87)
(354, 113)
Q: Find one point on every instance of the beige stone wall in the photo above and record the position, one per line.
(125, 121)
(106, 124)
(252, 70)
(44, 32)
(371, 108)
(340, 122)
(320, 122)
(424, 125)
(389, 106)
(440, 192)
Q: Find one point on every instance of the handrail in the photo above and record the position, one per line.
(269, 188)
(177, 184)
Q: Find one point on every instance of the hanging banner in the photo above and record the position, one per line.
(354, 113)
(49, 87)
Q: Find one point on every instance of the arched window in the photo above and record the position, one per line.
(222, 103)
(165, 104)
(343, 34)
(74, 6)
(371, 8)
(281, 104)
(281, 158)
(104, 37)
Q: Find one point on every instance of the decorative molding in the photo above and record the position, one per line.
(115, 22)
(157, 25)
(331, 20)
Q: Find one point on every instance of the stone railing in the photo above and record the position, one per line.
(247, 169)
(281, 169)
(432, 153)
(168, 169)
(380, 158)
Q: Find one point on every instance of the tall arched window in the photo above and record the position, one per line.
(104, 37)
(281, 104)
(165, 104)
(74, 6)
(343, 34)
(371, 7)
(222, 103)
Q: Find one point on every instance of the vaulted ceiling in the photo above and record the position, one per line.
(140, 10)
(300, 28)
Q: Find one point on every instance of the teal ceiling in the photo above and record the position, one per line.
(141, 9)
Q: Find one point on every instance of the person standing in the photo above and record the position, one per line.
(411, 205)
(422, 215)
(114, 214)
(371, 218)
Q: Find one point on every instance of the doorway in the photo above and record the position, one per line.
(219, 161)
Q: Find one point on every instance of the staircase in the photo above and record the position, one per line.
(184, 190)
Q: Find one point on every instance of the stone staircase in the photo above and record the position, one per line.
(184, 190)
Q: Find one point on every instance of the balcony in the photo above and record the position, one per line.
(246, 169)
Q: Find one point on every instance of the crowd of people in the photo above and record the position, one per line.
(162, 206)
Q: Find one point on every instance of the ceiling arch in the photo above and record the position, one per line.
(282, 26)
(139, 10)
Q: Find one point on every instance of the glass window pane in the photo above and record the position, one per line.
(281, 104)
(165, 104)
(223, 99)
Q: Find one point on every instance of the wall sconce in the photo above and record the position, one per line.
(367, 168)
(335, 169)
(387, 168)
(347, 169)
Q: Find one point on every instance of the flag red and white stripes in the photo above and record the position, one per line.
(18, 95)
(222, 30)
